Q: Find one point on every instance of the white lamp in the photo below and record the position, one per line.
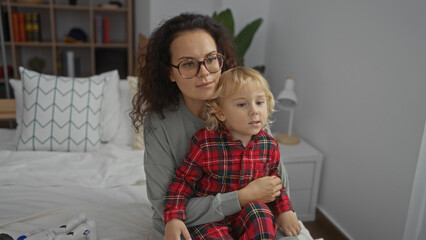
(287, 101)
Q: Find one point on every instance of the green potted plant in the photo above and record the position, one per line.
(244, 38)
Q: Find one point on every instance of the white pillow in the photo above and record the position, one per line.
(110, 106)
(64, 113)
(124, 136)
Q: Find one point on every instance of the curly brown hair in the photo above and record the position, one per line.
(155, 90)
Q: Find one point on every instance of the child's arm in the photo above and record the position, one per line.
(174, 228)
(289, 223)
(264, 189)
(282, 206)
(282, 203)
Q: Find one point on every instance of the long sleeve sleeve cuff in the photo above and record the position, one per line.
(175, 213)
(230, 203)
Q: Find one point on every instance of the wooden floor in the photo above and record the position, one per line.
(323, 228)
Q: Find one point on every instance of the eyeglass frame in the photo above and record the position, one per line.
(203, 62)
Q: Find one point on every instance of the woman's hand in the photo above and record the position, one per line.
(175, 228)
(289, 223)
(264, 189)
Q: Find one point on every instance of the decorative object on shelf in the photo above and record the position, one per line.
(76, 35)
(287, 101)
(37, 64)
(111, 4)
(244, 38)
(31, 1)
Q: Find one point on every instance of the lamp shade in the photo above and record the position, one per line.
(287, 98)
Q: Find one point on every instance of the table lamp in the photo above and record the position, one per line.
(287, 101)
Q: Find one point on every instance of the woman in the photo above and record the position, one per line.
(184, 59)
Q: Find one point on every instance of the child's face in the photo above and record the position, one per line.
(244, 113)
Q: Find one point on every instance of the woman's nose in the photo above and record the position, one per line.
(203, 71)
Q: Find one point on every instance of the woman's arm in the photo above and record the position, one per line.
(160, 168)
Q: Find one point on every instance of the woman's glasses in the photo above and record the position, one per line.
(190, 67)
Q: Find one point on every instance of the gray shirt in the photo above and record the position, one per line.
(166, 144)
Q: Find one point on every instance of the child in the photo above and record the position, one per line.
(230, 152)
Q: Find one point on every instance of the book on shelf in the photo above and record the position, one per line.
(106, 30)
(26, 27)
(68, 64)
(5, 24)
(22, 35)
(102, 29)
(36, 26)
(99, 29)
(15, 27)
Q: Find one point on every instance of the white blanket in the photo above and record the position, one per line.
(47, 189)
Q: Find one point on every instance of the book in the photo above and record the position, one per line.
(5, 22)
(28, 27)
(106, 30)
(64, 64)
(99, 29)
(70, 64)
(59, 63)
(36, 27)
(77, 68)
(15, 27)
(22, 35)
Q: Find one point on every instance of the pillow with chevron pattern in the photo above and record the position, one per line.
(138, 142)
(62, 113)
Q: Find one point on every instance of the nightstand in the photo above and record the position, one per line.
(303, 164)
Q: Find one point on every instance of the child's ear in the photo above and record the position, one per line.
(220, 115)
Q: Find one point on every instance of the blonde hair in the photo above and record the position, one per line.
(230, 82)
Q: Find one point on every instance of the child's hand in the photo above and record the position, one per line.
(175, 228)
(264, 189)
(289, 223)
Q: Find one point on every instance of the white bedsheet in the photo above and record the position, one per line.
(47, 189)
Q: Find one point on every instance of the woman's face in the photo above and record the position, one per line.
(197, 44)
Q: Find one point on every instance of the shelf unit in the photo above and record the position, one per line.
(57, 17)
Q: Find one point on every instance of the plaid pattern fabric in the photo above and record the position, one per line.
(255, 221)
(217, 164)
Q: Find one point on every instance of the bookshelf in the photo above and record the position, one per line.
(56, 19)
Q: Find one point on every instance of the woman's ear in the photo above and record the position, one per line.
(171, 75)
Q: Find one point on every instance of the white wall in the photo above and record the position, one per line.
(149, 14)
(360, 70)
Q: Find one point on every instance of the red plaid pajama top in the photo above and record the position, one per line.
(217, 164)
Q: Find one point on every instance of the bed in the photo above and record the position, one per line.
(45, 188)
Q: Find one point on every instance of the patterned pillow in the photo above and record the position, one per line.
(138, 142)
(61, 113)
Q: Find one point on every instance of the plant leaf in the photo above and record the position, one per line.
(226, 18)
(245, 37)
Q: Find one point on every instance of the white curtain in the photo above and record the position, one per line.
(415, 226)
